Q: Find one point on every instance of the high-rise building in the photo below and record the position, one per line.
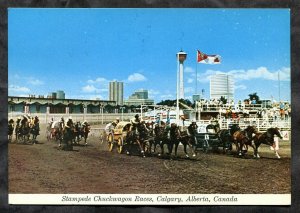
(139, 97)
(140, 94)
(60, 94)
(116, 92)
(222, 85)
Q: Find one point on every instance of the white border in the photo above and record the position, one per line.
(149, 199)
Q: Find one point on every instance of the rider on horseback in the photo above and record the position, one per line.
(11, 121)
(134, 122)
(85, 123)
(69, 123)
(62, 122)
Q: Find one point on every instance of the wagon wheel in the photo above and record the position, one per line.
(110, 143)
(120, 145)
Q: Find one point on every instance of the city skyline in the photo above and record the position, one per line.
(80, 51)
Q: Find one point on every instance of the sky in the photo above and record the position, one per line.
(80, 51)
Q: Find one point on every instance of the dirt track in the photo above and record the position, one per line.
(42, 168)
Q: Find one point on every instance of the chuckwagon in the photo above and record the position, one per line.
(206, 137)
(118, 136)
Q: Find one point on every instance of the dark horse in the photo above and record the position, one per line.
(35, 129)
(67, 137)
(162, 138)
(10, 129)
(77, 133)
(23, 131)
(17, 129)
(244, 139)
(226, 138)
(85, 132)
(137, 135)
(266, 138)
(176, 137)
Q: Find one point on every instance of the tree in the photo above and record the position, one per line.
(223, 100)
(254, 96)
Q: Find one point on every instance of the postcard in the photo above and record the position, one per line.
(149, 106)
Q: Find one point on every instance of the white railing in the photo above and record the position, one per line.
(93, 118)
(96, 118)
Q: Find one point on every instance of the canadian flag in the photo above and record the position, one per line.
(208, 59)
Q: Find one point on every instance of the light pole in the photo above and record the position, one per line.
(101, 111)
(122, 109)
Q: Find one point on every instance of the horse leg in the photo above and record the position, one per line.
(191, 147)
(170, 146)
(176, 147)
(162, 151)
(141, 148)
(184, 149)
(277, 155)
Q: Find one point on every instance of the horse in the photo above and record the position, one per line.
(225, 136)
(176, 137)
(85, 132)
(24, 130)
(17, 129)
(266, 138)
(67, 137)
(244, 139)
(35, 129)
(10, 129)
(48, 131)
(137, 135)
(161, 138)
(77, 133)
(57, 131)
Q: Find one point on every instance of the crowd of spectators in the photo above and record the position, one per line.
(248, 108)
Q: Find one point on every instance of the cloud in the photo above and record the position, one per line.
(250, 74)
(29, 80)
(136, 77)
(15, 88)
(98, 80)
(190, 80)
(262, 73)
(153, 92)
(86, 97)
(167, 96)
(89, 88)
(35, 82)
(189, 89)
(189, 70)
(241, 87)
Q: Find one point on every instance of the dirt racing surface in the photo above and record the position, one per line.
(43, 168)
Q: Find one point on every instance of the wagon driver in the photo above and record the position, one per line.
(109, 128)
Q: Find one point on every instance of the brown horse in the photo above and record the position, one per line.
(266, 138)
(137, 136)
(11, 126)
(243, 139)
(181, 137)
(35, 129)
(85, 132)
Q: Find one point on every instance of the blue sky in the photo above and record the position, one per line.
(81, 50)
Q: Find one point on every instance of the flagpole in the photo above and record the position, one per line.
(279, 87)
(177, 91)
(196, 74)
